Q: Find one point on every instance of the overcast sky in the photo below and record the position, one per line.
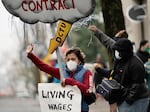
(7, 40)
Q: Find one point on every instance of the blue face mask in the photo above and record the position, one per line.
(117, 56)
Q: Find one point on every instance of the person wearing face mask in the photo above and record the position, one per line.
(74, 72)
(129, 68)
(101, 70)
(147, 68)
(144, 50)
(144, 54)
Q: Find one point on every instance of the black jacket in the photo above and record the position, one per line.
(134, 86)
(134, 76)
(143, 55)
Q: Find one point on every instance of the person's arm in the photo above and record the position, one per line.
(103, 38)
(40, 64)
(85, 85)
(44, 67)
(104, 72)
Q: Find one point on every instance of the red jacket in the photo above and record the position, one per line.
(85, 86)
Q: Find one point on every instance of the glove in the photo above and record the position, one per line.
(69, 81)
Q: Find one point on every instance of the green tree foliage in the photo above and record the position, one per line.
(90, 45)
(113, 16)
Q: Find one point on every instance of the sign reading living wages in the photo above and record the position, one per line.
(54, 98)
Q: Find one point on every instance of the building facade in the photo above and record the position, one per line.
(137, 30)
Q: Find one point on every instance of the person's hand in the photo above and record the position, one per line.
(29, 49)
(97, 65)
(113, 107)
(63, 83)
(68, 81)
(93, 28)
(119, 34)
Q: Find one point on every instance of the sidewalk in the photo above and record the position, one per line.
(100, 106)
(9, 104)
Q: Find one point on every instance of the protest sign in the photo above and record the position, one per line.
(60, 36)
(55, 98)
(49, 11)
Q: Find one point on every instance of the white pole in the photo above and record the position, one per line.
(58, 54)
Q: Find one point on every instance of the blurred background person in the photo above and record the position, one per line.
(53, 62)
(99, 64)
(144, 50)
(144, 54)
(147, 68)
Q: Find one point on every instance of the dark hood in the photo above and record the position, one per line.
(125, 47)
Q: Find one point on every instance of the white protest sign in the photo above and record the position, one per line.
(55, 98)
(49, 11)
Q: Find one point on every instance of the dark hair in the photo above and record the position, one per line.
(143, 42)
(77, 52)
